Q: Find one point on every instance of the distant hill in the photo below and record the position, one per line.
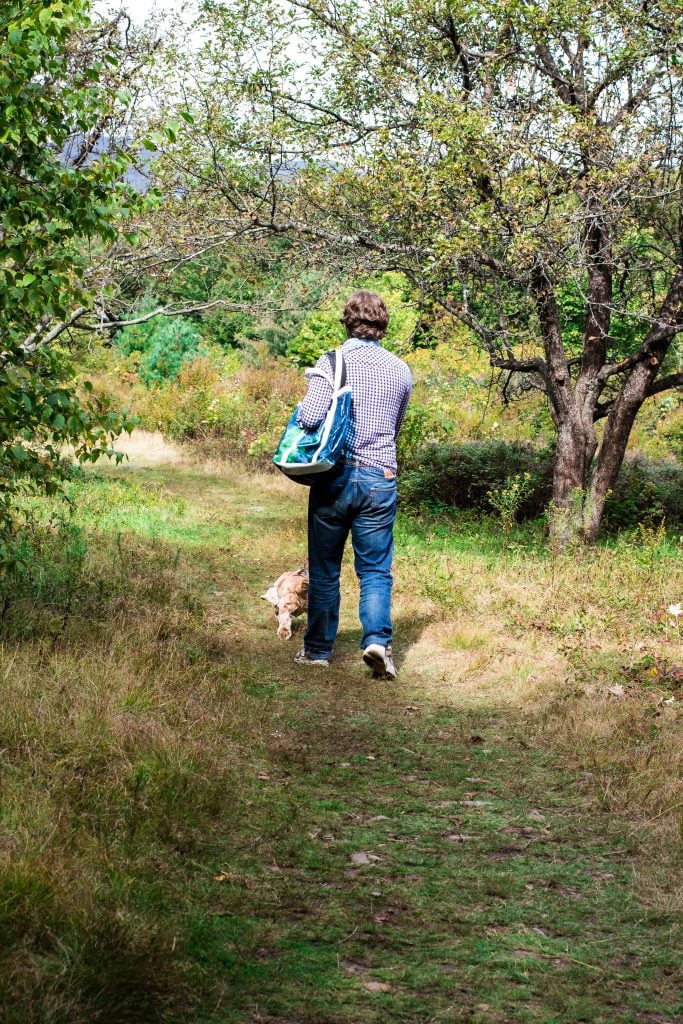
(138, 174)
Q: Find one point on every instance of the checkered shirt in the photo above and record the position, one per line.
(380, 383)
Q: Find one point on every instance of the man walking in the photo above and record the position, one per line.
(358, 495)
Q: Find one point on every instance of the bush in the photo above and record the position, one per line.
(467, 475)
(474, 474)
(234, 410)
(646, 491)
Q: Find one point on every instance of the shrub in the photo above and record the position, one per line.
(185, 408)
(646, 491)
(170, 346)
(467, 475)
(233, 410)
(486, 475)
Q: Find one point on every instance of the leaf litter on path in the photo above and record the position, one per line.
(362, 859)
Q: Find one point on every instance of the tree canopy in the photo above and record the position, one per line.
(58, 101)
(518, 161)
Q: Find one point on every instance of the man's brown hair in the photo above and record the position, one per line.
(365, 316)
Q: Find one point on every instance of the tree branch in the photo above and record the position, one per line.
(674, 380)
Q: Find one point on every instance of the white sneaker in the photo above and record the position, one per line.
(380, 661)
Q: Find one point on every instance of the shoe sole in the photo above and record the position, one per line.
(378, 665)
(375, 662)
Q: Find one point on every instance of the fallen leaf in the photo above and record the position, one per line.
(376, 986)
(565, 890)
(361, 858)
(353, 967)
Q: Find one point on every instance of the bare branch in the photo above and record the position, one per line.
(174, 310)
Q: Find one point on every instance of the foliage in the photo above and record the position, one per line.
(515, 162)
(508, 501)
(234, 409)
(515, 480)
(51, 208)
(322, 331)
(646, 491)
(162, 344)
(170, 346)
(467, 475)
(216, 278)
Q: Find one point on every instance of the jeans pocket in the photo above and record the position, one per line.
(383, 495)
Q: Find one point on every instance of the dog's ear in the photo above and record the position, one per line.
(271, 595)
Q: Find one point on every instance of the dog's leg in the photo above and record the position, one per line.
(284, 629)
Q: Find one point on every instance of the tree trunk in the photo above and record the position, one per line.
(613, 447)
(575, 450)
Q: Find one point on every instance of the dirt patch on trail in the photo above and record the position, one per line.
(145, 448)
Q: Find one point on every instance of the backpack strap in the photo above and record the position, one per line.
(336, 357)
(337, 379)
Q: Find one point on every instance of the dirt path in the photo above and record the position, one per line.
(406, 852)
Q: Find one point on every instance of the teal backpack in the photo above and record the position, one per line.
(304, 454)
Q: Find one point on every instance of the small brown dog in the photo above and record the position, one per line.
(289, 597)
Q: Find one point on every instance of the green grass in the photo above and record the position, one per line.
(194, 830)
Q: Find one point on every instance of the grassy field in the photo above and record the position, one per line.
(195, 830)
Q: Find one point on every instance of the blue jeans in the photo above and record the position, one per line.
(363, 501)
